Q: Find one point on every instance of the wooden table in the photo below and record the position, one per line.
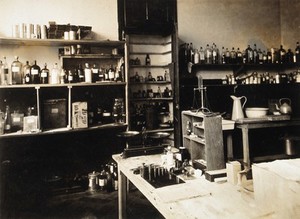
(196, 198)
(245, 125)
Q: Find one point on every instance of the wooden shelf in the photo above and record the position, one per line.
(151, 53)
(150, 82)
(58, 42)
(149, 66)
(92, 56)
(152, 99)
(62, 85)
(64, 130)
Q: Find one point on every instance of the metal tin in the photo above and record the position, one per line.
(93, 181)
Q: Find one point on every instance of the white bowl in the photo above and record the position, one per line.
(256, 112)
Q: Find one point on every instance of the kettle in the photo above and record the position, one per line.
(285, 106)
(237, 109)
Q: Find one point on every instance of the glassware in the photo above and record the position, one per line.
(16, 71)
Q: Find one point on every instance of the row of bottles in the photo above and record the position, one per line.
(149, 93)
(264, 78)
(34, 74)
(105, 180)
(252, 55)
(150, 78)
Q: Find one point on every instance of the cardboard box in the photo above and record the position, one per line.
(54, 114)
(79, 115)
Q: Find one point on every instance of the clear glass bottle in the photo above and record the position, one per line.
(55, 73)
(87, 73)
(45, 75)
(26, 73)
(35, 73)
(196, 56)
(16, 71)
(167, 76)
(215, 54)
(208, 55)
(201, 55)
(62, 76)
(70, 76)
(7, 74)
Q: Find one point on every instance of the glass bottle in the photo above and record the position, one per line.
(111, 73)
(87, 73)
(227, 56)
(70, 77)
(7, 75)
(102, 179)
(95, 73)
(282, 53)
(101, 74)
(2, 77)
(255, 55)
(232, 56)
(150, 78)
(249, 54)
(196, 56)
(7, 120)
(260, 56)
(54, 76)
(222, 56)
(16, 71)
(35, 72)
(26, 73)
(215, 54)
(201, 56)
(239, 56)
(147, 60)
(45, 75)
(62, 76)
(297, 53)
(269, 56)
(115, 176)
(167, 76)
(75, 76)
(208, 55)
(109, 180)
(80, 73)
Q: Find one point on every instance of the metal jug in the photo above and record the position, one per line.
(285, 106)
(237, 109)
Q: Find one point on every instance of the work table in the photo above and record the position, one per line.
(196, 198)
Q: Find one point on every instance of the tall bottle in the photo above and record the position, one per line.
(147, 60)
(222, 56)
(255, 55)
(2, 78)
(16, 71)
(208, 55)
(45, 75)
(239, 56)
(201, 55)
(297, 53)
(215, 54)
(227, 56)
(111, 73)
(87, 73)
(196, 56)
(7, 75)
(7, 120)
(249, 54)
(95, 73)
(63, 76)
(26, 73)
(232, 56)
(35, 72)
(80, 72)
(282, 54)
(54, 76)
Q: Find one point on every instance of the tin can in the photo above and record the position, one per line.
(93, 181)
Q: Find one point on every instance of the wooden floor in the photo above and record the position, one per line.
(85, 205)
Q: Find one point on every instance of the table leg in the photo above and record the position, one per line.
(122, 195)
(246, 155)
(229, 146)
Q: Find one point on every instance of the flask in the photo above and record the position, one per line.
(297, 53)
(80, 73)
(147, 60)
(35, 72)
(54, 76)
(26, 73)
(95, 73)
(87, 73)
(45, 75)
(7, 75)
(16, 71)
(7, 120)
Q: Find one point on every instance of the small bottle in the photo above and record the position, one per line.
(255, 55)
(249, 54)
(111, 73)
(26, 73)
(80, 73)
(87, 73)
(232, 56)
(70, 77)
(196, 56)
(45, 75)
(282, 54)
(62, 76)
(201, 56)
(7, 75)
(239, 56)
(297, 53)
(54, 76)
(147, 60)
(35, 73)
(222, 56)
(208, 55)
(215, 54)
(167, 76)
(149, 78)
(95, 73)
(109, 180)
(16, 71)
(2, 77)
(101, 74)
(102, 179)
(7, 120)
(260, 56)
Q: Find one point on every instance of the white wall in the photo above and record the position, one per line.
(100, 14)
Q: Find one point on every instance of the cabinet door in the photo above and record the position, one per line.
(157, 11)
(135, 13)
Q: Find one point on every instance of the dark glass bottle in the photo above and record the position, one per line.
(109, 180)
(7, 120)
(249, 54)
(95, 73)
(282, 54)
(75, 76)
(26, 73)
(255, 55)
(80, 73)
(101, 74)
(239, 56)
(232, 56)
(147, 60)
(297, 53)
(45, 75)
(102, 179)
(35, 72)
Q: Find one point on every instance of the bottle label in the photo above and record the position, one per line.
(101, 182)
(15, 69)
(43, 74)
(6, 71)
(34, 71)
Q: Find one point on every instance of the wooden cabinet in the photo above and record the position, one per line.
(150, 85)
(203, 137)
(147, 16)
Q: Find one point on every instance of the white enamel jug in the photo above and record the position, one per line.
(237, 109)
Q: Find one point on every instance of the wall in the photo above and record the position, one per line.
(100, 14)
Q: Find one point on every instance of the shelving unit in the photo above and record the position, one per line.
(159, 49)
(71, 92)
(205, 139)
